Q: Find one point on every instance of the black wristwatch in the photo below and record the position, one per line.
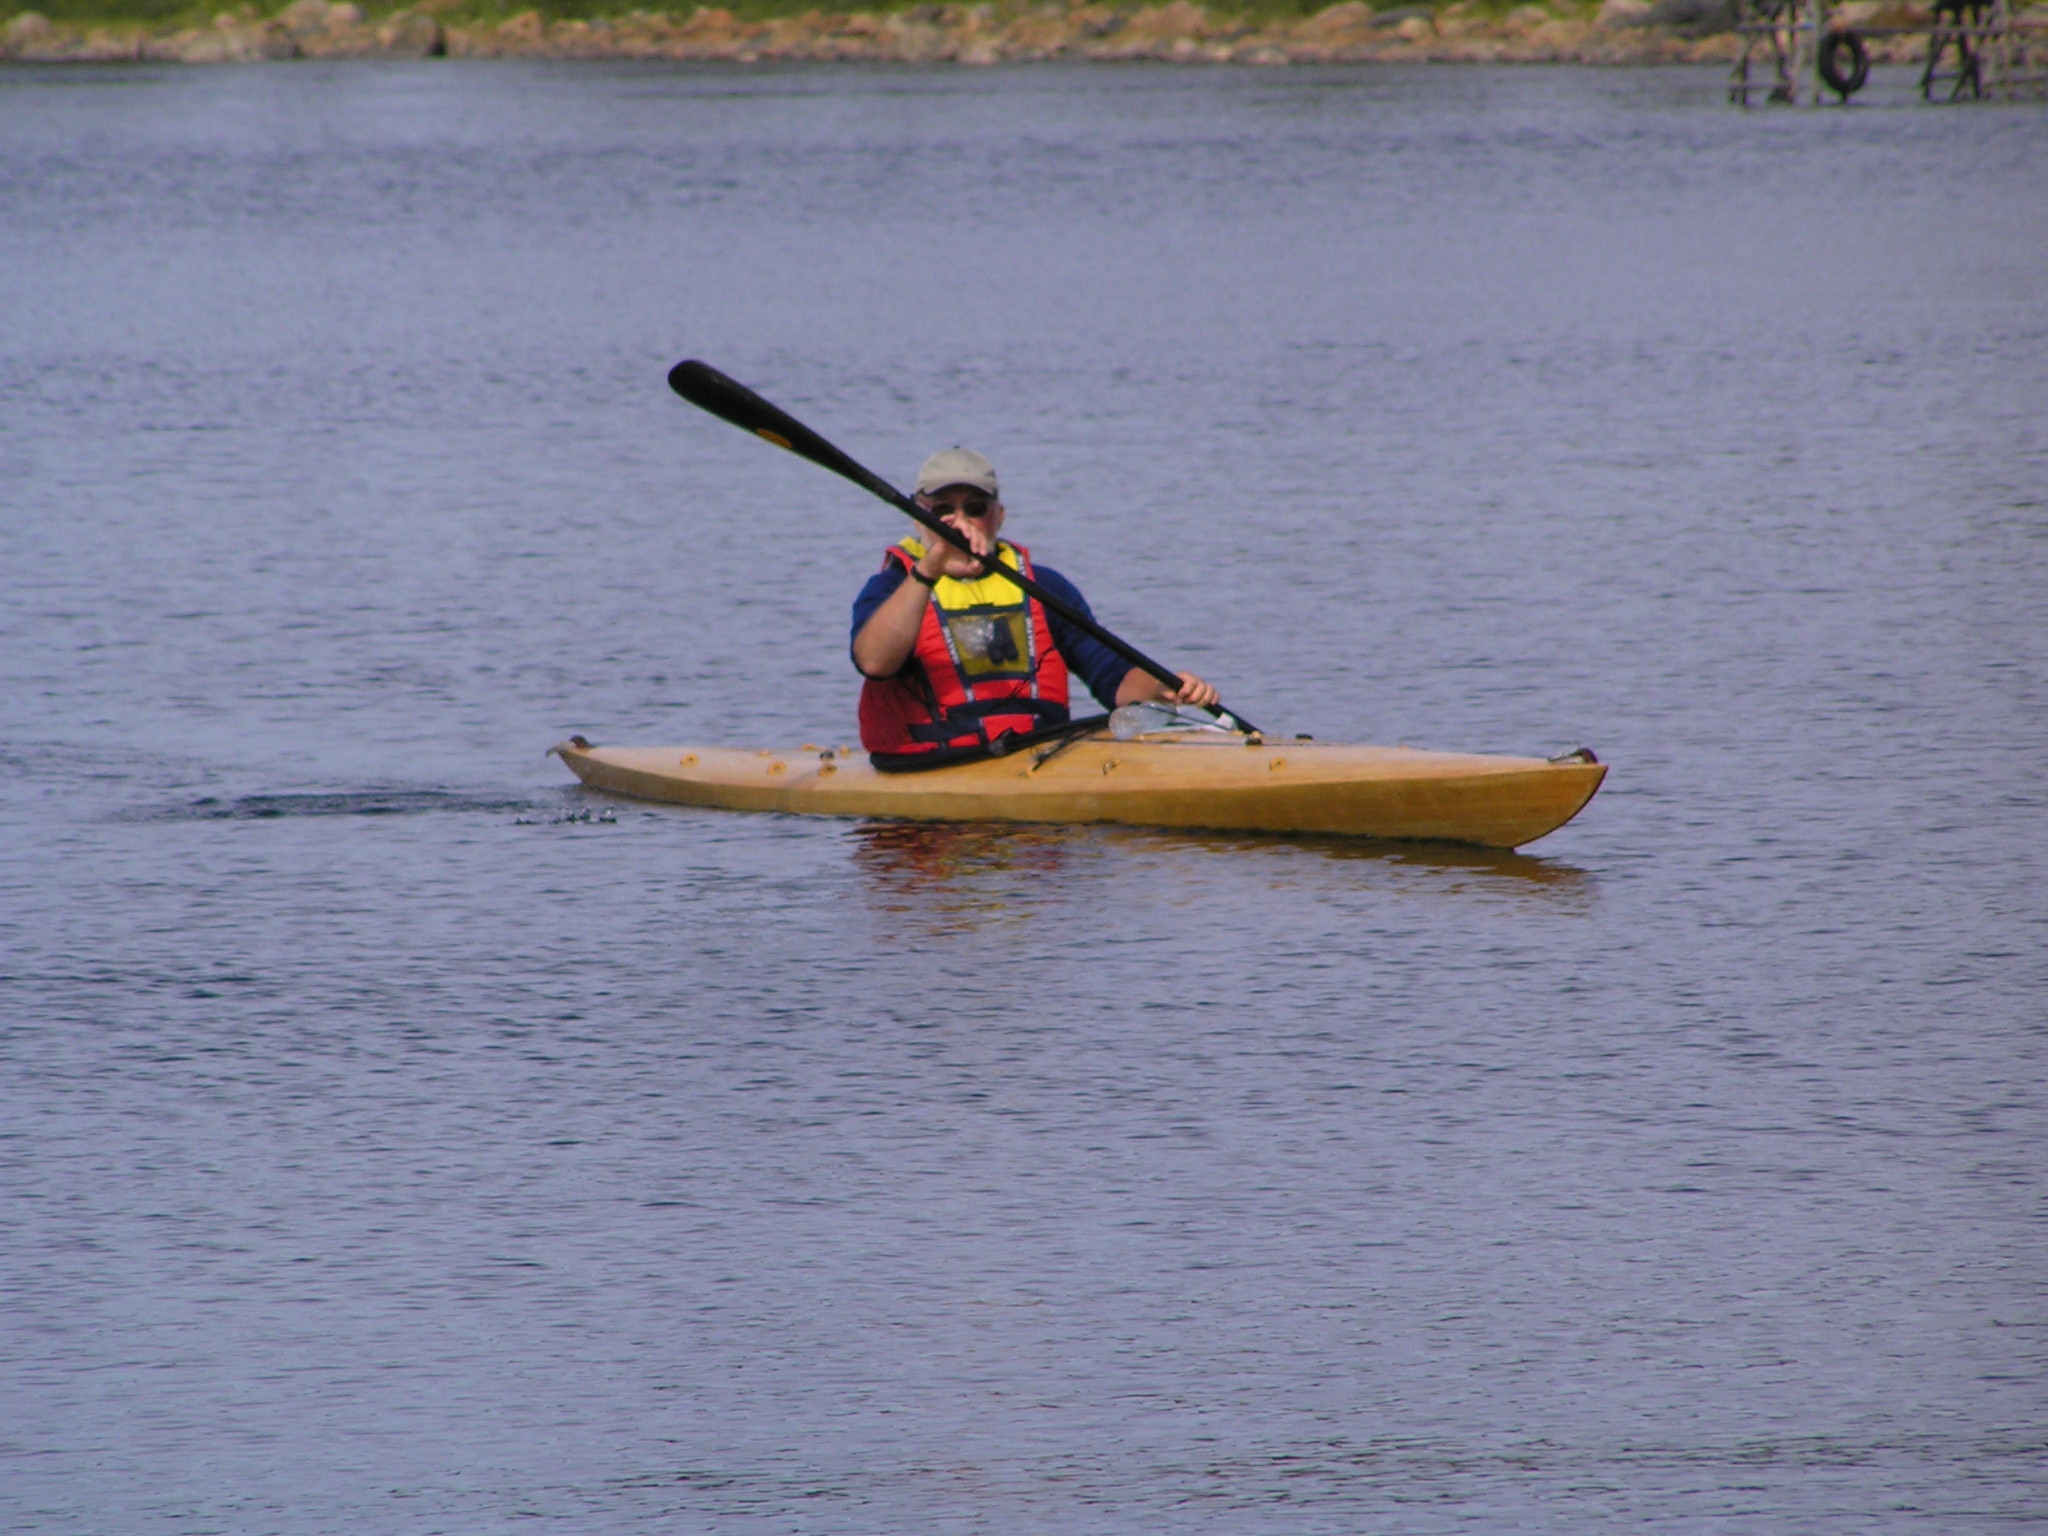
(921, 579)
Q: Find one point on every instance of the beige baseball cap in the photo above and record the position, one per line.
(956, 466)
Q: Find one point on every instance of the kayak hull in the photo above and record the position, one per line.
(1212, 782)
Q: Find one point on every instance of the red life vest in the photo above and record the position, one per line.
(975, 672)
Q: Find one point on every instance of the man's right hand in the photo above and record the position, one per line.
(885, 642)
(943, 559)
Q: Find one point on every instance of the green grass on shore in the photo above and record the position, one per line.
(157, 14)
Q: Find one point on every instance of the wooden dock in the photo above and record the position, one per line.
(1808, 51)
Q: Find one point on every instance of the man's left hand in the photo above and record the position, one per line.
(1193, 690)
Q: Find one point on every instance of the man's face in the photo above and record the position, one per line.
(965, 507)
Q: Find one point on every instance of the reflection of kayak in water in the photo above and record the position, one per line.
(1195, 779)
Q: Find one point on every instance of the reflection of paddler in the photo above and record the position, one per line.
(927, 861)
(954, 658)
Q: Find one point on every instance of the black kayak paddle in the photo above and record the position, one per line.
(728, 399)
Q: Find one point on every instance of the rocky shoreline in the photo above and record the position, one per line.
(1619, 32)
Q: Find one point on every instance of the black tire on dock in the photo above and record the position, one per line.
(1844, 83)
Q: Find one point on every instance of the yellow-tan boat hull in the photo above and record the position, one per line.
(1220, 783)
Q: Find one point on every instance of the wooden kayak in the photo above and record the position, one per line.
(1208, 779)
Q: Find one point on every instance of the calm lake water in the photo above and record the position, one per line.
(395, 1137)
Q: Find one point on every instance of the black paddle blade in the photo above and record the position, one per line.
(729, 400)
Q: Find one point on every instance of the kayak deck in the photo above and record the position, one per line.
(1208, 781)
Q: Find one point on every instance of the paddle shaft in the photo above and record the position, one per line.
(728, 399)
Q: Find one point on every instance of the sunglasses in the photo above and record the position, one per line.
(966, 506)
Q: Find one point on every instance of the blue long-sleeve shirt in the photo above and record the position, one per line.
(1087, 657)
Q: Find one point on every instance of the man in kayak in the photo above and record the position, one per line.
(954, 659)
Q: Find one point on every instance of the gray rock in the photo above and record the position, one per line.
(194, 45)
(29, 32)
(1694, 18)
(412, 35)
(303, 18)
(275, 42)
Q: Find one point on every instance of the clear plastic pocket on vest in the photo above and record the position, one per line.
(990, 643)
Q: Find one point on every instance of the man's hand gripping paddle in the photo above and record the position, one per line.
(705, 387)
